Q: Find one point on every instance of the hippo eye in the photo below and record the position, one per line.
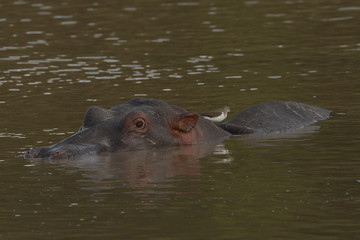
(139, 123)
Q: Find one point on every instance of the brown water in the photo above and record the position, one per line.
(59, 57)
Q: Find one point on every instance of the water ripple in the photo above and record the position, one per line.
(202, 58)
(338, 19)
(12, 135)
(14, 47)
(349, 9)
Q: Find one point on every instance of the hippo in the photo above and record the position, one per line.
(143, 123)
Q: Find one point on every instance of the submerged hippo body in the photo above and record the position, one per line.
(149, 124)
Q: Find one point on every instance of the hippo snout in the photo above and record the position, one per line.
(48, 152)
(63, 151)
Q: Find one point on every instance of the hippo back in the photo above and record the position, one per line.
(272, 117)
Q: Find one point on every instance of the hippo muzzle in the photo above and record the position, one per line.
(89, 141)
(64, 151)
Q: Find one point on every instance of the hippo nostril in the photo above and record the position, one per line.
(32, 153)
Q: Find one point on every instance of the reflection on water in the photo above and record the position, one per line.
(149, 176)
(154, 170)
(147, 168)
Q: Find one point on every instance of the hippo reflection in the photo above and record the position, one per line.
(143, 168)
(151, 124)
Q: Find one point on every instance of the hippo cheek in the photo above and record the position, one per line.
(131, 143)
(49, 153)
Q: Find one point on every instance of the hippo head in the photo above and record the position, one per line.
(135, 125)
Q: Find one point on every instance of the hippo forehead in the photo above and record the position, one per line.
(154, 109)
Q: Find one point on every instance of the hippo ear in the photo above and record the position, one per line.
(186, 122)
(95, 115)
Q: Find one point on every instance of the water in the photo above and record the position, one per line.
(58, 58)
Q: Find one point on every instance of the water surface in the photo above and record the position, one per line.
(58, 58)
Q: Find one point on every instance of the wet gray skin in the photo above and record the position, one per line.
(135, 125)
(151, 124)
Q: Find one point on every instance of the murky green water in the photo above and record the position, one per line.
(59, 57)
